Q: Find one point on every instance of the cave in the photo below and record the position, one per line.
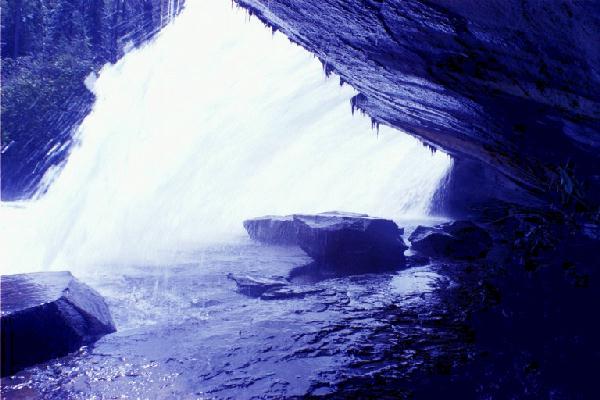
(299, 199)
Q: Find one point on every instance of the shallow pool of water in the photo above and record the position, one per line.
(185, 332)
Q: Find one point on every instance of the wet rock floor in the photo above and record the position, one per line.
(185, 332)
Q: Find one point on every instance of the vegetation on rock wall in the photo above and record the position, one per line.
(48, 49)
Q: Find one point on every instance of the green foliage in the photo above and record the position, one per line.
(49, 47)
(38, 91)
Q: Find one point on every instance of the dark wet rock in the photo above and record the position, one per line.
(510, 84)
(316, 272)
(271, 288)
(417, 260)
(335, 238)
(290, 292)
(255, 286)
(471, 186)
(459, 240)
(47, 315)
(349, 239)
(273, 229)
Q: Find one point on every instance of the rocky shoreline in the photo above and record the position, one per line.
(503, 323)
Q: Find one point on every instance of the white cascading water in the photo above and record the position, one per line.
(214, 121)
(168, 10)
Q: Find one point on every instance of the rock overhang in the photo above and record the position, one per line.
(510, 85)
(47, 315)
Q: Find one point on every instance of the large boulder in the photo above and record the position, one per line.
(350, 239)
(47, 315)
(271, 288)
(283, 230)
(458, 240)
(335, 238)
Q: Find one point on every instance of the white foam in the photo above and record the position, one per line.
(215, 121)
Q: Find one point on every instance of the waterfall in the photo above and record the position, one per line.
(168, 10)
(214, 121)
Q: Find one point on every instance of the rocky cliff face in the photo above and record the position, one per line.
(48, 49)
(510, 85)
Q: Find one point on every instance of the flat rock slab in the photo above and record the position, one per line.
(457, 240)
(290, 292)
(255, 286)
(334, 238)
(271, 288)
(47, 315)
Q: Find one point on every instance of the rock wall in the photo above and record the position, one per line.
(512, 85)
